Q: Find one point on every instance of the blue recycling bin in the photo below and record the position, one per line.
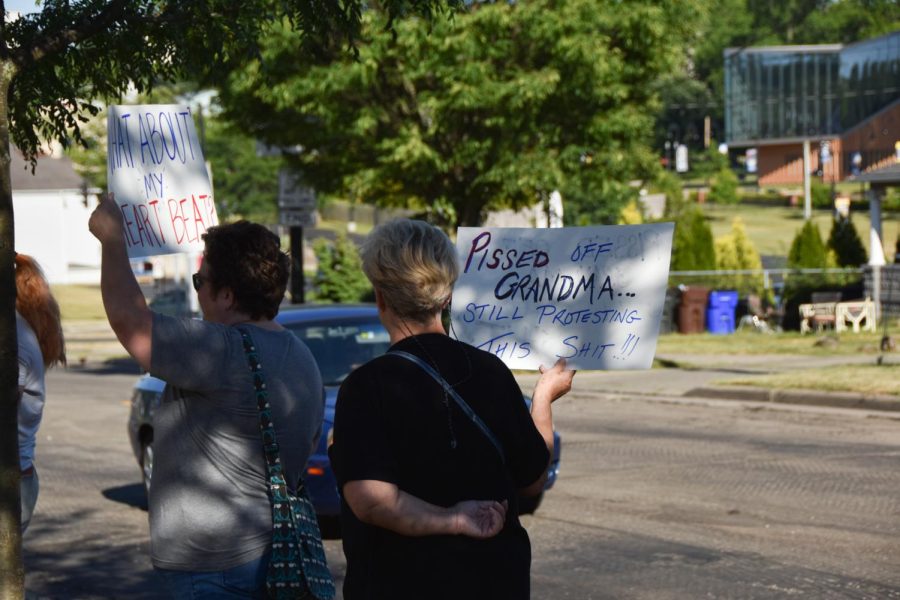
(720, 311)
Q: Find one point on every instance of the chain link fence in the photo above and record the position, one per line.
(775, 295)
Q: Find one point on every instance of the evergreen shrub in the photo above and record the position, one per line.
(846, 244)
(692, 247)
(735, 252)
(340, 277)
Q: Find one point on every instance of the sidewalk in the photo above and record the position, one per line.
(694, 376)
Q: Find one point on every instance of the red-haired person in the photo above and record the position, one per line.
(41, 345)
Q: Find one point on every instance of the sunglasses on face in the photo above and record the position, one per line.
(197, 280)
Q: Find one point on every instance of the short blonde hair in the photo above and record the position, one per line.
(413, 265)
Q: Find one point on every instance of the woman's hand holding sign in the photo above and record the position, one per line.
(106, 221)
(554, 382)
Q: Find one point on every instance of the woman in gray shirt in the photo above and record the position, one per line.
(210, 513)
(40, 346)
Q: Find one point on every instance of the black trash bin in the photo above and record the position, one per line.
(667, 320)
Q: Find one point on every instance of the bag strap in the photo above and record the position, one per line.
(448, 389)
(277, 483)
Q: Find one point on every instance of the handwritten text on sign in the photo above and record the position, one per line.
(591, 295)
(157, 173)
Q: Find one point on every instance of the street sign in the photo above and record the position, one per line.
(297, 218)
(681, 158)
(293, 194)
(296, 201)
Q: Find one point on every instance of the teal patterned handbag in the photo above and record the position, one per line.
(297, 566)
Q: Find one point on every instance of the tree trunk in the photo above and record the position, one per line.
(468, 213)
(12, 572)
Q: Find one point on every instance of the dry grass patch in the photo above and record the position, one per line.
(750, 342)
(863, 379)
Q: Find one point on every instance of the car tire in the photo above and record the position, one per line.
(529, 504)
(147, 465)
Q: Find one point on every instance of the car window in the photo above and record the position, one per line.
(342, 345)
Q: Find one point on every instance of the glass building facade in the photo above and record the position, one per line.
(787, 93)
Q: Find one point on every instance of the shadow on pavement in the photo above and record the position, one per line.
(131, 495)
(94, 567)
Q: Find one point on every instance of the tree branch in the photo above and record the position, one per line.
(84, 28)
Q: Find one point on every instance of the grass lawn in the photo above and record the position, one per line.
(79, 302)
(772, 228)
(751, 342)
(858, 378)
(864, 379)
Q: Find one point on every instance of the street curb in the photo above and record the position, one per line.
(804, 397)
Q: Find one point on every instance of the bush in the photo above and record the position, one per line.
(844, 241)
(807, 250)
(735, 252)
(709, 162)
(724, 187)
(340, 277)
(692, 246)
(821, 194)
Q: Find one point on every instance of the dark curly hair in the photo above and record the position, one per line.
(247, 259)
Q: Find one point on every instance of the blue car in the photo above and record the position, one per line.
(341, 337)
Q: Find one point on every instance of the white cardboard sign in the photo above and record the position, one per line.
(156, 171)
(591, 295)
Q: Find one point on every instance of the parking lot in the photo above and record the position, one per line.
(658, 497)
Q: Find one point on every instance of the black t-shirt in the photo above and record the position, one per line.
(392, 424)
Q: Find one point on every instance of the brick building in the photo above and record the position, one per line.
(842, 102)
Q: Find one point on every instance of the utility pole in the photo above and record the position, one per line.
(807, 192)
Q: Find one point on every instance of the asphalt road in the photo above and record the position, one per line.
(659, 497)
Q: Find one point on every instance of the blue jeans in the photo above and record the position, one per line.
(243, 581)
(29, 488)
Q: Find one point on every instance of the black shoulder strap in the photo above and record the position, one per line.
(456, 398)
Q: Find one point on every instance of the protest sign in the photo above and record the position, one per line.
(591, 295)
(156, 171)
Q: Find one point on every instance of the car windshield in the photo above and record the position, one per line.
(340, 346)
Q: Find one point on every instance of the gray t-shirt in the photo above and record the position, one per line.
(31, 380)
(209, 506)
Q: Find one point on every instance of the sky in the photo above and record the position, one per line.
(22, 6)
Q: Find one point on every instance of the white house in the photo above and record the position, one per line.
(52, 207)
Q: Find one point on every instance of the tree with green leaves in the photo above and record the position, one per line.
(495, 108)
(340, 277)
(55, 61)
(246, 184)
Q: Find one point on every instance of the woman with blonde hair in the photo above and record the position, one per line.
(430, 473)
(41, 345)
